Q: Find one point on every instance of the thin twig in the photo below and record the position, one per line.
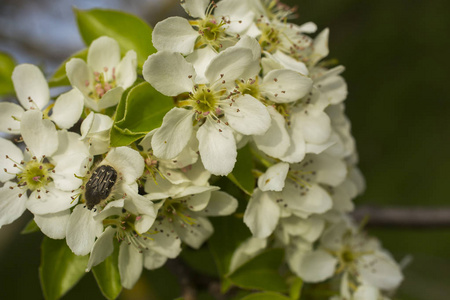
(404, 217)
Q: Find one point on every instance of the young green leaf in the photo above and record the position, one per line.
(139, 112)
(295, 290)
(30, 227)
(261, 272)
(7, 65)
(108, 277)
(59, 78)
(129, 31)
(242, 173)
(60, 269)
(266, 296)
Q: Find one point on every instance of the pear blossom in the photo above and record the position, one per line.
(343, 249)
(83, 227)
(176, 34)
(213, 107)
(296, 189)
(33, 94)
(186, 212)
(104, 77)
(95, 131)
(41, 179)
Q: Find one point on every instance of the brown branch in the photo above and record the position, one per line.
(404, 217)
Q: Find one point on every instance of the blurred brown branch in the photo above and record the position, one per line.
(406, 217)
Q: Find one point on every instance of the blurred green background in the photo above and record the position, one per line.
(396, 58)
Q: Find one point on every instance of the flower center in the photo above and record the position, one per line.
(35, 175)
(212, 32)
(269, 38)
(103, 82)
(176, 209)
(250, 87)
(205, 100)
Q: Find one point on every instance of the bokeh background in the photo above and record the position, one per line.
(397, 65)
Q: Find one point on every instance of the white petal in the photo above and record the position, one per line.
(221, 204)
(288, 62)
(201, 59)
(165, 241)
(102, 248)
(10, 115)
(153, 260)
(82, 230)
(110, 98)
(95, 124)
(50, 201)
(308, 27)
(366, 292)
(247, 115)
(12, 205)
(79, 74)
(217, 147)
(232, 63)
(273, 179)
(126, 70)
(297, 150)
(276, 141)
(71, 158)
(174, 34)
(252, 44)
(196, 234)
(283, 86)
(143, 223)
(15, 156)
(379, 270)
(174, 134)
(29, 83)
(316, 266)
(39, 135)
(169, 73)
(127, 162)
(195, 8)
(312, 200)
(262, 214)
(130, 265)
(199, 201)
(315, 126)
(160, 188)
(104, 52)
(53, 225)
(320, 46)
(238, 12)
(329, 170)
(68, 108)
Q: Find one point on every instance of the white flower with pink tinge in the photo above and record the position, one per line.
(104, 77)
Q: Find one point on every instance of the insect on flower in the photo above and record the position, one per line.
(99, 185)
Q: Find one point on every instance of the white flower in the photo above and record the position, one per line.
(104, 77)
(360, 259)
(213, 106)
(296, 189)
(186, 212)
(176, 34)
(95, 131)
(46, 171)
(114, 178)
(33, 93)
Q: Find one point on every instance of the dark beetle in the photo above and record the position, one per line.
(100, 184)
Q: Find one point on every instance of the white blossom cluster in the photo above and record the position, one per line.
(240, 74)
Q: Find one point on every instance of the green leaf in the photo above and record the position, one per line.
(138, 112)
(7, 65)
(242, 174)
(295, 290)
(59, 78)
(261, 272)
(108, 277)
(128, 30)
(266, 296)
(31, 227)
(60, 269)
(229, 232)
